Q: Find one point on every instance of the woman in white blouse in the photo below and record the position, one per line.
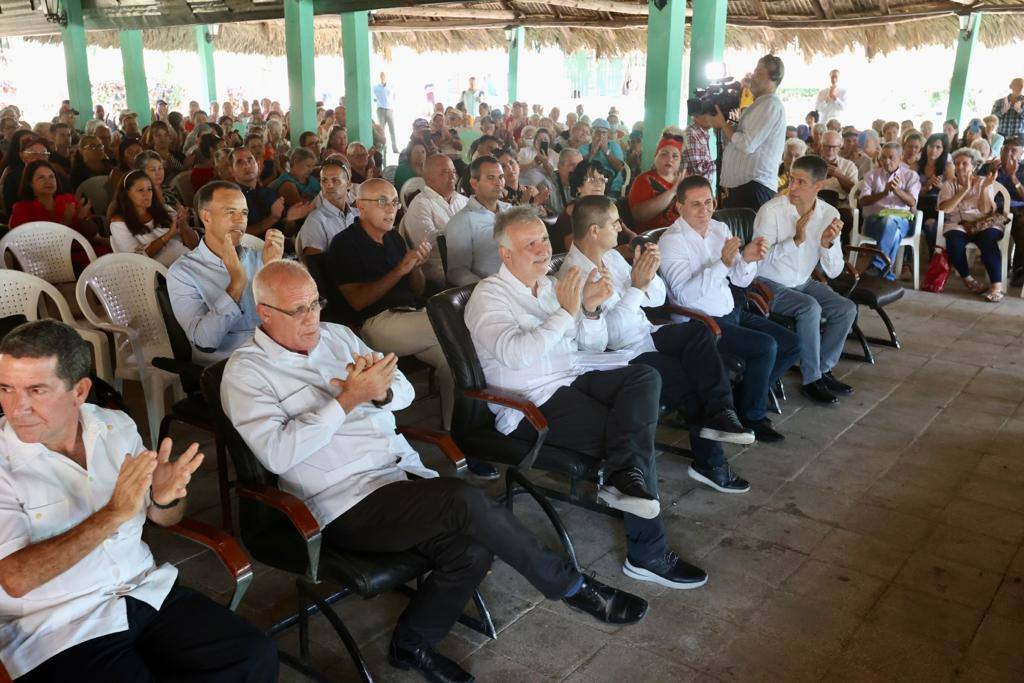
(144, 226)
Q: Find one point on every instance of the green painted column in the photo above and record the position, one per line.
(76, 61)
(298, 42)
(515, 51)
(664, 71)
(136, 89)
(355, 51)
(204, 47)
(707, 39)
(965, 42)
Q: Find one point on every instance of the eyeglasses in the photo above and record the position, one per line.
(92, 146)
(43, 154)
(301, 311)
(599, 179)
(384, 202)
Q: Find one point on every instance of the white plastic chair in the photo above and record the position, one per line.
(298, 248)
(125, 286)
(410, 188)
(857, 238)
(388, 173)
(1005, 244)
(43, 249)
(22, 294)
(251, 242)
(95, 189)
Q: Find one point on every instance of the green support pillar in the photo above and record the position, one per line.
(76, 61)
(965, 42)
(664, 72)
(136, 89)
(298, 42)
(204, 46)
(515, 52)
(707, 39)
(355, 51)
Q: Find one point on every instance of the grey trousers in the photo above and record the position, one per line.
(820, 347)
(387, 117)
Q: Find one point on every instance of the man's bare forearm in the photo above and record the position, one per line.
(360, 295)
(34, 565)
(167, 516)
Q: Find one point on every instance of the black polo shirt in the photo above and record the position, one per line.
(259, 200)
(355, 257)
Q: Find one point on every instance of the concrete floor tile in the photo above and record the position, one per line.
(617, 662)
(908, 497)
(993, 521)
(792, 531)
(753, 658)
(895, 655)
(811, 621)
(933, 478)
(728, 595)
(840, 587)
(768, 562)
(994, 491)
(548, 643)
(1009, 600)
(970, 547)
(680, 633)
(998, 644)
(805, 500)
(949, 580)
(970, 671)
(903, 609)
(861, 553)
(878, 438)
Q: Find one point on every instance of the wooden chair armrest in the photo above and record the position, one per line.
(227, 549)
(874, 251)
(695, 315)
(297, 513)
(4, 676)
(764, 291)
(439, 439)
(760, 303)
(509, 400)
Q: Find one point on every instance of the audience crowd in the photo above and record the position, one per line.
(596, 282)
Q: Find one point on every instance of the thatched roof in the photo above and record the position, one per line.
(609, 27)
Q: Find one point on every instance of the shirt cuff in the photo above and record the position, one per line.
(225, 305)
(331, 413)
(633, 298)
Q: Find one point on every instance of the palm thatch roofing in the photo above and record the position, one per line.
(609, 27)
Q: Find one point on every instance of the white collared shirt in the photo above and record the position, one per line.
(527, 344)
(628, 326)
(324, 222)
(43, 494)
(693, 267)
(427, 217)
(753, 152)
(283, 404)
(790, 264)
(848, 169)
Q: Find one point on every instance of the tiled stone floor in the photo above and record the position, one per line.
(881, 542)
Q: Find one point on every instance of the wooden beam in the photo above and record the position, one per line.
(610, 6)
(827, 9)
(883, 6)
(442, 12)
(762, 11)
(544, 21)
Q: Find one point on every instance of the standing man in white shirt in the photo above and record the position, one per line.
(801, 232)
(472, 251)
(385, 97)
(700, 259)
(750, 161)
(80, 595)
(331, 213)
(546, 340)
(315, 404)
(831, 100)
(430, 211)
(693, 378)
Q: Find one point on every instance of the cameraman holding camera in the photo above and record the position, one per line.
(1010, 111)
(750, 162)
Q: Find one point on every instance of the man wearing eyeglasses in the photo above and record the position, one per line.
(382, 280)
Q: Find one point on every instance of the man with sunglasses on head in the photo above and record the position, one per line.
(210, 288)
(382, 280)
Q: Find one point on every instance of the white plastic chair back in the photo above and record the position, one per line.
(43, 249)
(298, 248)
(96, 191)
(388, 173)
(183, 184)
(23, 294)
(251, 242)
(410, 188)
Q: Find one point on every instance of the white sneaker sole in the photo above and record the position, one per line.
(741, 438)
(645, 509)
(641, 574)
(697, 476)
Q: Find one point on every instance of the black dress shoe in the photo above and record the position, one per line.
(835, 386)
(765, 432)
(482, 470)
(670, 571)
(607, 604)
(725, 426)
(819, 393)
(626, 490)
(430, 663)
(721, 478)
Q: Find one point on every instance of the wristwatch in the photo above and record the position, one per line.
(387, 399)
(592, 315)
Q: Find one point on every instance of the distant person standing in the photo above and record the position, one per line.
(1010, 111)
(831, 100)
(385, 97)
(471, 98)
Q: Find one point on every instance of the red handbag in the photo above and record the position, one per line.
(938, 272)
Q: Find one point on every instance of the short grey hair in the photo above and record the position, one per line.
(300, 154)
(798, 143)
(968, 152)
(893, 145)
(505, 219)
(144, 158)
(563, 156)
(51, 339)
(263, 281)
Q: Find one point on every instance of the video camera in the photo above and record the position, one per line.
(723, 93)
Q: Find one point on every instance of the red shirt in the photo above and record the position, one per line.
(29, 210)
(201, 176)
(648, 186)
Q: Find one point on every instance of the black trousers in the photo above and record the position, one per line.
(460, 529)
(692, 379)
(191, 638)
(748, 196)
(611, 415)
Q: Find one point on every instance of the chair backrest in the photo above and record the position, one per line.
(854, 195)
(183, 184)
(411, 188)
(655, 234)
(125, 285)
(299, 247)
(251, 242)
(442, 249)
(388, 173)
(44, 250)
(740, 221)
(447, 316)
(1002, 194)
(181, 347)
(97, 191)
(22, 294)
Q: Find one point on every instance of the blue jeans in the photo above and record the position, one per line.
(987, 241)
(888, 231)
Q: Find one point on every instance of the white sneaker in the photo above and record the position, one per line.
(641, 507)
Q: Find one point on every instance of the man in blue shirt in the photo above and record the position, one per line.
(211, 288)
(606, 152)
(469, 235)
(385, 107)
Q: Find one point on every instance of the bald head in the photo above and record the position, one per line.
(439, 175)
(288, 304)
(271, 282)
(374, 188)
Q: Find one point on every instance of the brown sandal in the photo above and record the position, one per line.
(973, 286)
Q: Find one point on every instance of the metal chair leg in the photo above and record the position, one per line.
(339, 628)
(868, 356)
(549, 510)
(893, 340)
(224, 486)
